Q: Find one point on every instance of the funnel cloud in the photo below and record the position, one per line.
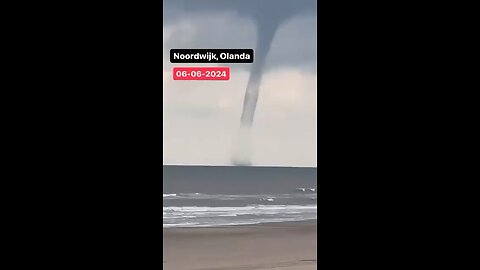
(266, 33)
(266, 29)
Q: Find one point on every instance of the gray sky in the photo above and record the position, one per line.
(202, 118)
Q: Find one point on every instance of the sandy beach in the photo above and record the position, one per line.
(285, 246)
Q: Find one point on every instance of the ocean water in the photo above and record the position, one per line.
(196, 196)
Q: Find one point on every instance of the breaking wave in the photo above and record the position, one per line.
(196, 216)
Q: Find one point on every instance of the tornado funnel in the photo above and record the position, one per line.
(266, 33)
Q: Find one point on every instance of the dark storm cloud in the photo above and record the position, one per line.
(233, 24)
(266, 9)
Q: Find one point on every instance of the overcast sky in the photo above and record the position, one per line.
(202, 118)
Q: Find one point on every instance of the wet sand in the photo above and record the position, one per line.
(283, 246)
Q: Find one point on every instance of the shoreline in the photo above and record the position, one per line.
(276, 245)
(280, 223)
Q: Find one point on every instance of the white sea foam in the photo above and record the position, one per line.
(220, 224)
(304, 189)
(230, 197)
(248, 208)
(202, 216)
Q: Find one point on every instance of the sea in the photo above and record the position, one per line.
(211, 196)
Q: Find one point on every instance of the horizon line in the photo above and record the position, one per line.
(237, 166)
